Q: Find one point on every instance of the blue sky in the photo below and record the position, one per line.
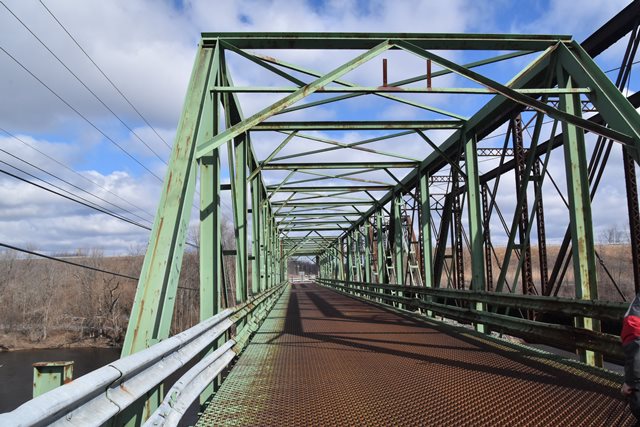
(147, 48)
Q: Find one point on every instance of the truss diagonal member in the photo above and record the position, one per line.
(283, 183)
(515, 96)
(262, 63)
(398, 83)
(612, 105)
(272, 155)
(342, 145)
(296, 96)
(433, 145)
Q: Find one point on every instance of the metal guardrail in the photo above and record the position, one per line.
(562, 336)
(99, 396)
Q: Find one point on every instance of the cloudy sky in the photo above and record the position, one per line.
(63, 122)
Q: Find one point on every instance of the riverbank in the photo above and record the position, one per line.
(18, 341)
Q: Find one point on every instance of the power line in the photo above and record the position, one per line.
(89, 204)
(82, 82)
(617, 68)
(79, 113)
(88, 267)
(74, 171)
(85, 203)
(104, 75)
(68, 183)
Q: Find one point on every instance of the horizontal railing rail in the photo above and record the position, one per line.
(99, 396)
(562, 336)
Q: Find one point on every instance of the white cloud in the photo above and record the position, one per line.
(147, 48)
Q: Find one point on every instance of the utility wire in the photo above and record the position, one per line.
(104, 75)
(70, 184)
(88, 267)
(617, 68)
(88, 204)
(79, 113)
(74, 171)
(85, 203)
(82, 82)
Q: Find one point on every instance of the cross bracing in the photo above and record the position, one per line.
(382, 182)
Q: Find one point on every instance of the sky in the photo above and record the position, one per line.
(63, 121)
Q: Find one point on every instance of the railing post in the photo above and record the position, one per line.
(50, 375)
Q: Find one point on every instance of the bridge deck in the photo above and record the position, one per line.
(322, 358)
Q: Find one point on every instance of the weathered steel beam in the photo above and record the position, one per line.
(357, 41)
(153, 305)
(584, 262)
(354, 188)
(383, 89)
(339, 165)
(321, 204)
(259, 117)
(357, 125)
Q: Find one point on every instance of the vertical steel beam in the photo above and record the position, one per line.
(380, 259)
(541, 229)
(367, 251)
(584, 263)
(475, 220)
(210, 250)
(398, 253)
(239, 193)
(264, 209)
(521, 188)
(255, 236)
(458, 245)
(425, 230)
(486, 215)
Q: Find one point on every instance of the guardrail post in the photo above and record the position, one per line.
(50, 375)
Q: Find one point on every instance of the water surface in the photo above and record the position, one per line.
(16, 370)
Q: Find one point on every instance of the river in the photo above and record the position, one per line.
(16, 371)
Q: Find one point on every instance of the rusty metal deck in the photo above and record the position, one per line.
(322, 358)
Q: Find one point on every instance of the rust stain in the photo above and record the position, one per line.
(390, 89)
(169, 181)
(123, 388)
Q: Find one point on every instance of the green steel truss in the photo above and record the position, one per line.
(370, 210)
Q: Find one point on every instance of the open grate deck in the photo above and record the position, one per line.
(322, 358)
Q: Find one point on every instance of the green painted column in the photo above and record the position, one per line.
(425, 228)
(350, 260)
(474, 210)
(357, 255)
(262, 245)
(398, 238)
(380, 261)
(239, 193)
(210, 233)
(367, 252)
(255, 236)
(583, 252)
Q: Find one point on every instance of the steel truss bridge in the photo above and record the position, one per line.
(423, 260)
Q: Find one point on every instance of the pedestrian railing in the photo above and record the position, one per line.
(511, 314)
(101, 396)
